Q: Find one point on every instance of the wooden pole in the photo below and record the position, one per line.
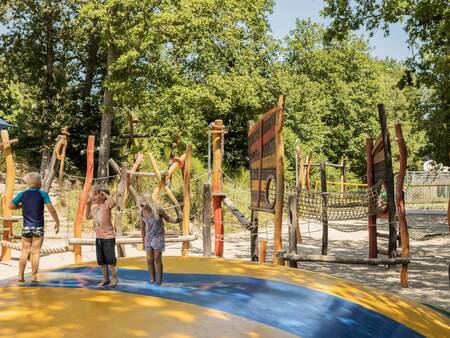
(262, 251)
(217, 131)
(392, 247)
(323, 184)
(401, 213)
(134, 169)
(293, 226)
(206, 220)
(279, 199)
(120, 205)
(84, 196)
(9, 191)
(344, 174)
(186, 198)
(254, 236)
(372, 221)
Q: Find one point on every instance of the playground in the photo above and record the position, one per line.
(295, 252)
(234, 168)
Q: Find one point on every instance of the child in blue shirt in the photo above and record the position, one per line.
(32, 202)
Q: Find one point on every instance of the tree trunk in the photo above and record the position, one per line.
(91, 67)
(107, 119)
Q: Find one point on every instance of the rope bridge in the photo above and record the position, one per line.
(337, 206)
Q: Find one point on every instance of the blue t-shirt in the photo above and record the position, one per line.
(33, 201)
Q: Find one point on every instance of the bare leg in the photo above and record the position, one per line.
(105, 272)
(36, 245)
(151, 264)
(114, 279)
(26, 249)
(158, 266)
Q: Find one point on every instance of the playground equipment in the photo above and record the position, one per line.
(327, 206)
(126, 185)
(266, 153)
(58, 157)
(204, 295)
(9, 191)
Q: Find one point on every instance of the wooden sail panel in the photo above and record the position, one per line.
(263, 157)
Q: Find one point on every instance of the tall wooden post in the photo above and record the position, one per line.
(186, 198)
(323, 185)
(9, 191)
(206, 220)
(343, 173)
(84, 196)
(293, 225)
(401, 213)
(262, 251)
(120, 205)
(217, 131)
(279, 199)
(254, 236)
(392, 247)
(372, 221)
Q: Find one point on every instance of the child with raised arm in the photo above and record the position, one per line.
(105, 233)
(32, 202)
(152, 231)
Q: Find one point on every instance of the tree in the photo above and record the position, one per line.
(427, 23)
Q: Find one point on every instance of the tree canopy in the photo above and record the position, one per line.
(175, 66)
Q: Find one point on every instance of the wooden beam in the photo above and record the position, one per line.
(9, 191)
(293, 225)
(346, 260)
(237, 213)
(217, 132)
(84, 196)
(186, 198)
(127, 240)
(254, 236)
(400, 199)
(279, 190)
(372, 220)
(262, 251)
(206, 231)
(120, 205)
(323, 185)
(389, 183)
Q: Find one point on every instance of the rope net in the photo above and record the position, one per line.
(336, 206)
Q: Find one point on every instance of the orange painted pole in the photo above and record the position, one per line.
(84, 196)
(9, 191)
(217, 132)
(186, 198)
(262, 251)
(279, 200)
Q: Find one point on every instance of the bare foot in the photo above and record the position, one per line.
(103, 283)
(21, 280)
(35, 280)
(113, 283)
(151, 281)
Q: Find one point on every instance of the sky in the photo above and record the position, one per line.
(287, 11)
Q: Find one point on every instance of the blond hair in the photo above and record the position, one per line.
(151, 205)
(33, 179)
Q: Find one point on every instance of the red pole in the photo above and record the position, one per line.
(217, 131)
(372, 224)
(84, 196)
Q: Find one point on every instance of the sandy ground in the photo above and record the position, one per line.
(428, 271)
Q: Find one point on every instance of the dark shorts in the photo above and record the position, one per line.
(30, 232)
(106, 251)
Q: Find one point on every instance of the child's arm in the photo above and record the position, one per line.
(16, 202)
(88, 211)
(54, 214)
(109, 200)
(141, 222)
